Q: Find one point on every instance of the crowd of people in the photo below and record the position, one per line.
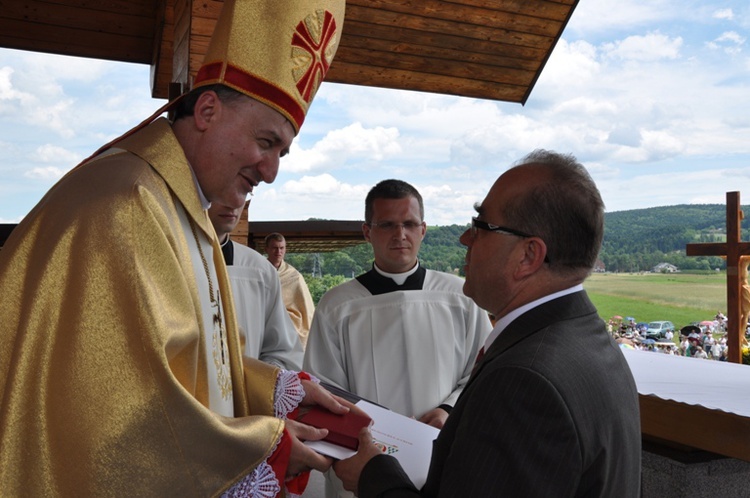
(693, 341)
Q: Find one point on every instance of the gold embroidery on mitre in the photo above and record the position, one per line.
(313, 47)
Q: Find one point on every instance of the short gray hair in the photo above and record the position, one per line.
(567, 212)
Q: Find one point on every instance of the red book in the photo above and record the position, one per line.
(343, 430)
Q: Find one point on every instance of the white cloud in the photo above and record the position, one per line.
(7, 91)
(352, 143)
(324, 185)
(651, 47)
(572, 62)
(320, 196)
(660, 145)
(46, 173)
(313, 185)
(29, 106)
(429, 114)
(50, 69)
(624, 134)
(607, 15)
(667, 189)
(730, 41)
(49, 153)
(724, 14)
(731, 36)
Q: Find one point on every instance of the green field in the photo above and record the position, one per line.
(681, 298)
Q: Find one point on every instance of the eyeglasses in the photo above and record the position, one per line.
(477, 224)
(389, 226)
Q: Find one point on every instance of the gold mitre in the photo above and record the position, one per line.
(275, 51)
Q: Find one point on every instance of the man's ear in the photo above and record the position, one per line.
(535, 250)
(207, 108)
(366, 231)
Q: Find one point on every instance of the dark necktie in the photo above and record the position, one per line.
(480, 355)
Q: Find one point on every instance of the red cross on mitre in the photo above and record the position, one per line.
(312, 48)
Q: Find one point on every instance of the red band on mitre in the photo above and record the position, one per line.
(253, 86)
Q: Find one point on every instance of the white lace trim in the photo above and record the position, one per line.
(289, 393)
(260, 483)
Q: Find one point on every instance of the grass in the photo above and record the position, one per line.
(681, 298)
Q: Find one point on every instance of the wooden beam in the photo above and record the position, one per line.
(162, 46)
(118, 30)
(361, 74)
(116, 17)
(181, 47)
(447, 27)
(535, 21)
(308, 236)
(358, 34)
(19, 34)
(421, 66)
(696, 426)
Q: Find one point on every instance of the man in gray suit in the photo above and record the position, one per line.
(551, 408)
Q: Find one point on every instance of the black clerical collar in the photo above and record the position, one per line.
(227, 249)
(380, 284)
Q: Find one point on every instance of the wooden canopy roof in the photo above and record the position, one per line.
(309, 236)
(490, 49)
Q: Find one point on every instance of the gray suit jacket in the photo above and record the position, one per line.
(551, 410)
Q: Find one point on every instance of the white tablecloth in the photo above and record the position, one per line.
(717, 385)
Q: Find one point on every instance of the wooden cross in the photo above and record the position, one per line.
(734, 250)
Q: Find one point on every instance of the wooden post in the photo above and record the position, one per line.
(733, 249)
(240, 232)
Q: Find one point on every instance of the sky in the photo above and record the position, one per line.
(652, 96)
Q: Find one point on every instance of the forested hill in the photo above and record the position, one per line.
(666, 228)
(638, 239)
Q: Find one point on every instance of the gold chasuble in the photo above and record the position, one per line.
(104, 388)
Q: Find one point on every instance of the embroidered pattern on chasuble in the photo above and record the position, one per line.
(219, 340)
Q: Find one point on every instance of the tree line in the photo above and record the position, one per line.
(639, 239)
(634, 240)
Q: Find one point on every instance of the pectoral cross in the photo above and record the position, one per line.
(733, 249)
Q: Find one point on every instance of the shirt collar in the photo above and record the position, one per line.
(503, 322)
(399, 278)
(205, 203)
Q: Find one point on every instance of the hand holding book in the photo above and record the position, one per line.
(343, 430)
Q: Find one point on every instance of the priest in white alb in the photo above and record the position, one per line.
(267, 331)
(399, 335)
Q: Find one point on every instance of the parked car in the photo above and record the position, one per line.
(657, 330)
